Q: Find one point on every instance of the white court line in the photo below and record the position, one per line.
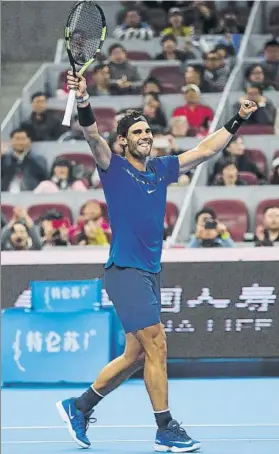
(206, 440)
(138, 426)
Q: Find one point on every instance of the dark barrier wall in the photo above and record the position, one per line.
(220, 309)
(30, 30)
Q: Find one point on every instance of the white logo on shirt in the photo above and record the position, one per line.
(150, 191)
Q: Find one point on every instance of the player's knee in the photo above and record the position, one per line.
(155, 344)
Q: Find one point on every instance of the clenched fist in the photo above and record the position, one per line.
(247, 108)
(77, 83)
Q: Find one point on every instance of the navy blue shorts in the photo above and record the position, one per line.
(136, 296)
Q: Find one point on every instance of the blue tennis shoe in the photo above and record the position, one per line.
(76, 421)
(175, 439)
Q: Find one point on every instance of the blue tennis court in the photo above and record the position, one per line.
(230, 416)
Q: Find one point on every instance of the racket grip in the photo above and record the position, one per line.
(69, 108)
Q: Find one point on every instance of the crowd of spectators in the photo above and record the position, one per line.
(115, 74)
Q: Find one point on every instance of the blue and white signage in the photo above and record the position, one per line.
(60, 296)
(54, 347)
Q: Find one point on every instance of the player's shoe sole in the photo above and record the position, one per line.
(65, 417)
(162, 448)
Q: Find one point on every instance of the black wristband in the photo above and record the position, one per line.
(85, 116)
(233, 125)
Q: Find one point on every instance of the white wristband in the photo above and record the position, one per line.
(84, 99)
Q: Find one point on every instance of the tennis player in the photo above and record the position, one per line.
(135, 188)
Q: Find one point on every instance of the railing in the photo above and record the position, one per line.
(188, 198)
(11, 120)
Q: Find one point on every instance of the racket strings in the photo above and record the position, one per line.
(85, 26)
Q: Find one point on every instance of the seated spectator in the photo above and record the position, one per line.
(198, 115)
(20, 233)
(275, 172)
(207, 19)
(266, 114)
(229, 24)
(163, 145)
(216, 72)
(42, 123)
(209, 231)
(54, 229)
(21, 168)
(133, 27)
(268, 232)
(170, 51)
(179, 126)
(224, 51)
(61, 179)
(153, 111)
(91, 210)
(194, 75)
(125, 79)
(255, 76)
(151, 85)
(92, 235)
(271, 64)
(229, 176)
(235, 152)
(100, 81)
(176, 25)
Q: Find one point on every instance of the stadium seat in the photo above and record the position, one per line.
(7, 211)
(36, 211)
(170, 77)
(80, 158)
(258, 157)
(138, 55)
(105, 118)
(262, 205)
(256, 129)
(233, 213)
(249, 177)
(171, 214)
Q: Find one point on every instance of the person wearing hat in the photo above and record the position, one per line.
(176, 26)
(198, 115)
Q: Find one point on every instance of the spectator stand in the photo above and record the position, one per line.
(182, 229)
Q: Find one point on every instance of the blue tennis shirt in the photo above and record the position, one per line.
(136, 206)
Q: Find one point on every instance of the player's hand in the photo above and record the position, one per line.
(247, 108)
(77, 83)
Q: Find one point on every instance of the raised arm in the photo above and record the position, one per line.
(99, 147)
(216, 141)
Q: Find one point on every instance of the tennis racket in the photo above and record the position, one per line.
(85, 33)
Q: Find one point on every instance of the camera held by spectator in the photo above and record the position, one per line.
(54, 229)
(209, 231)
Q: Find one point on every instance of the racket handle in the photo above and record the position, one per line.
(69, 108)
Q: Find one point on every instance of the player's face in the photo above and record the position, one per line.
(140, 140)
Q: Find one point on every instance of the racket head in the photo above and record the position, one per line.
(85, 32)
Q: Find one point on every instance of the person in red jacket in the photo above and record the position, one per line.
(198, 115)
